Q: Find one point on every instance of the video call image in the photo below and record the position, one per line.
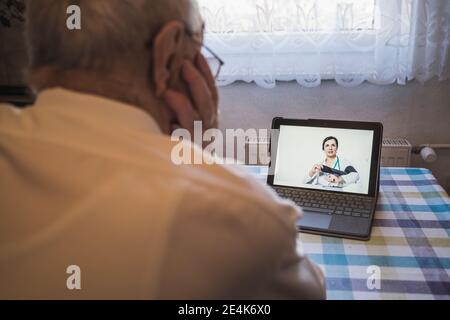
(324, 158)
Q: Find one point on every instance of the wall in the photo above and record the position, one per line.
(420, 113)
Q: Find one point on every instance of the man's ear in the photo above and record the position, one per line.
(165, 47)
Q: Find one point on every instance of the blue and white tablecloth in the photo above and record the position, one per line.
(408, 256)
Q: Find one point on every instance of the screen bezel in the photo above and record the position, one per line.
(376, 127)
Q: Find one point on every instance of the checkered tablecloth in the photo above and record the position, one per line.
(409, 246)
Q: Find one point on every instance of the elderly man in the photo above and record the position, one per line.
(92, 205)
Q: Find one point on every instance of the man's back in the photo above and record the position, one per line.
(88, 181)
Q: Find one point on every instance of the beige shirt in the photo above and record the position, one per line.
(88, 181)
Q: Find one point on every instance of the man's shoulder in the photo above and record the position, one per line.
(7, 108)
(231, 191)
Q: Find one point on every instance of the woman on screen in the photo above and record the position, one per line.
(333, 171)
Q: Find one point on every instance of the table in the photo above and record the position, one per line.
(409, 248)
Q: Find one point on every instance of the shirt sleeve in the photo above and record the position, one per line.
(352, 176)
(225, 248)
(297, 278)
(310, 180)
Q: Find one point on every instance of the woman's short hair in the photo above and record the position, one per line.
(328, 139)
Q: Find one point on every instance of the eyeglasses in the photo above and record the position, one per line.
(214, 61)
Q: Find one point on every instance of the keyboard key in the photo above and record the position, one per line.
(361, 211)
(314, 209)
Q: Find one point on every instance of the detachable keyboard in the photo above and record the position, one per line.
(329, 202)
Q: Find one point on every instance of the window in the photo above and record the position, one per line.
(351, 41)
(234, 16)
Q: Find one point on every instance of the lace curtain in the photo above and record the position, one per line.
(351, 41)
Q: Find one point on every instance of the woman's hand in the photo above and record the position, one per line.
(315, 169)
(334, 179)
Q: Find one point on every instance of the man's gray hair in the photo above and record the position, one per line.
(111, 31)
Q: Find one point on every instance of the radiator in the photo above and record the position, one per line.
(396, 152)
(257, 151)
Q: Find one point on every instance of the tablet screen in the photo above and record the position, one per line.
(332, 159)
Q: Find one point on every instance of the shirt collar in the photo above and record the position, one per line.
(103, 110)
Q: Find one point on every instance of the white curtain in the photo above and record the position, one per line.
(351, 41)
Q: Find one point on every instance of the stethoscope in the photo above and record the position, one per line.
(337, 164)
